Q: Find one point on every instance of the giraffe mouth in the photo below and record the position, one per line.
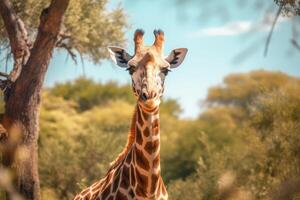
(149, 104)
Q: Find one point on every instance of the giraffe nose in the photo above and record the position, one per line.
(147, 95)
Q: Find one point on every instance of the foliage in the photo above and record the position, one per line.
(88, 26)
(289, 6)
(171, 107)
(74, 143)
(244, 145)
(240, 89)
(275, 117)
(250, 128)
(87, 93)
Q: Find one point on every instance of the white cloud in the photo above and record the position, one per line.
(238, 27)
(229, 29)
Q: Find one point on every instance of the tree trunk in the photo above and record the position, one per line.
(22, 110)
(22, 105)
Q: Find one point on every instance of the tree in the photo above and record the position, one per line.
(246, 141)
(32, 29)
(88, 93)
(290, 7)
(241, 89)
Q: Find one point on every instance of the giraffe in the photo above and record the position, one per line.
(135, 174)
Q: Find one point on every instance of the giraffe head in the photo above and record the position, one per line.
(148, 67)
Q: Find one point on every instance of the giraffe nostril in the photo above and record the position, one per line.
(144, 96)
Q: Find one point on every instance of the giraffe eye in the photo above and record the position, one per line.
(131, 69)
(165, 71)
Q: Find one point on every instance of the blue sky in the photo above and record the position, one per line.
(213, 46)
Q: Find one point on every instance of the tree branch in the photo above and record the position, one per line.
(4, 74)
(68, 49)
(61, 37)
(271, 31)
(18, 38)
(51, 17)
(295, 44)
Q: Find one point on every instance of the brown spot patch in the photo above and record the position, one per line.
(107, 179)
(121, 196)
(139, 138)
(110, 198)
(131, 193)
(88, 196)
(155, 131)
(125, 178)
(129, 157)
(154, 183)
(146, 132)
(139, 191)
(141, 160)
(116, 182)
(95, 195)
(155, 124)
(152, 146)
(141, 179)
(106, 192)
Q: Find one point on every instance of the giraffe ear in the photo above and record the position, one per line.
(176, 57)
(119, 56)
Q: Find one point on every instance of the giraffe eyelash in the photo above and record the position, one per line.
(165, 71)
(131, 69)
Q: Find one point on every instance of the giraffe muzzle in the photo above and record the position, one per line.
(145, 95)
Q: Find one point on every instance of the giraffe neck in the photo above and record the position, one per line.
(147, 140)
(136, 172)
(146, 152)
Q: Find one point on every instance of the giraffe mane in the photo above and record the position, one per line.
(130, 140)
